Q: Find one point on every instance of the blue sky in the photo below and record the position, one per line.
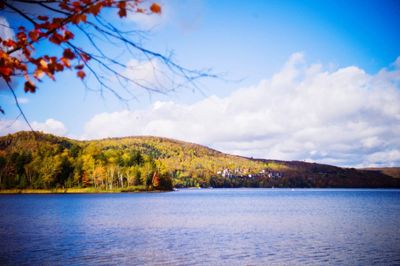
(249, 43)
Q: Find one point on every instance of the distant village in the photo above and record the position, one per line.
(245, 173)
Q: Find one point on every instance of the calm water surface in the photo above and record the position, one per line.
(207, 227)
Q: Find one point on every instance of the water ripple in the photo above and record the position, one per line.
(205, 227)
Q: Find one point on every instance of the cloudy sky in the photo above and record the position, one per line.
(301, 80)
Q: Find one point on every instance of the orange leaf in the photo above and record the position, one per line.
(95, 9)
(155, 8)
(43, 64)
(38, 74)
(50, 73)
(78, 18)
(5, 71)
(81, 74)
(83, 18)
(76, 4)
(66, 62)
(121, 4)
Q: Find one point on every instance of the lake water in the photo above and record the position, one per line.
(206, 227)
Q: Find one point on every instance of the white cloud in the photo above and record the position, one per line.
(6, 32)
(23, 100)
(343, 116)
(149, 76)
(148, 22)
(149, 73)
(49, 126)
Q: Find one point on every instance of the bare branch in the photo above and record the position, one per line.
(19, 107)
(54, 9)
(106, 68)
(12, 123)
(19, 12)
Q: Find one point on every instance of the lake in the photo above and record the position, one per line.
(205, 226)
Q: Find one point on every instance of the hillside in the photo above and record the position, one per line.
(390, 171)
(38, 161)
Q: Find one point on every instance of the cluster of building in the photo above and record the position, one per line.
(245, 173)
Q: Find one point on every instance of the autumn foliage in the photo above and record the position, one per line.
(17, 57)
(38, 161)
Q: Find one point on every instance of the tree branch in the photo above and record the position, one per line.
(19, 107)
(19, 12)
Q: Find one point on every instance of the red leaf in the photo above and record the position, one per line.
(122, 9)
(58, 67)
(68, 35)
(76, 4)
(85, 57)
(155, 8)
(95, 9)
(122, 12)
(56, 38)
(5, 71)
(29, 86)
(21, 36)
(44, 18)
(9, 43)
(68, 54)
(34, 35)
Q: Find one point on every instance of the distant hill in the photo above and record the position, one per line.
(38, 160)
(390, 171)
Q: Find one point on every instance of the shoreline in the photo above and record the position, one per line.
(76, 191)
(141, 190)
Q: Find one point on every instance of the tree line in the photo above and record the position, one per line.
(43, 161)
(55, 166)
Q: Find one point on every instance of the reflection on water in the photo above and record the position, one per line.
(217, 226)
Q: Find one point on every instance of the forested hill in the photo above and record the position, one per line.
(38, 160)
